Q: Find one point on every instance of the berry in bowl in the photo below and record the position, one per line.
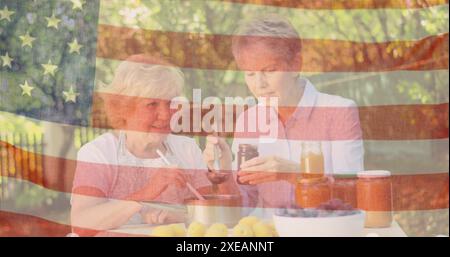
(331, 219)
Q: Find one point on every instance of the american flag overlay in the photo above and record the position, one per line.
(115, 115)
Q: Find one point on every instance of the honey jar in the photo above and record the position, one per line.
(311, 192)
(246, 152)
(311, 160)
(374, 195)
(344, 188)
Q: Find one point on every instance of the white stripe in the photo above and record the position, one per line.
(198, 16)
(398, 156)
(365, 88)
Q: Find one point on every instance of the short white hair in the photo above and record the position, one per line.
(146, 80)
(269, 27)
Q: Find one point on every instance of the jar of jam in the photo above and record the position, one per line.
(374, 195)
(311, 192)
(246, 152)
(344, 188)
(311, 160)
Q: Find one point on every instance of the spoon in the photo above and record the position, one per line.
(216, 149)
(189, 186)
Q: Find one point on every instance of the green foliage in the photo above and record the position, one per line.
(49, 44)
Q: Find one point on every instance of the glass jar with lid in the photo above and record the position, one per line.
(344, 188)
(312, 160)
(311, 192)
(374, 195)
(246, 152)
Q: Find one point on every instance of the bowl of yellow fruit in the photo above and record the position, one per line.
(252, 226)
(170, 230)
(249, 226)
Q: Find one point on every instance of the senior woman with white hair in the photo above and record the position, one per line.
(268, 50)
(119, 170)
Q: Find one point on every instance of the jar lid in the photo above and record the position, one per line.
(248, 147)
(312, 180)
(344, 176)
(374, 174)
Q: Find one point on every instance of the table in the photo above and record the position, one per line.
(393, 231)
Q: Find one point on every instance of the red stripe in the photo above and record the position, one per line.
(410, 192)
(344, 4)
(13, 224)
(23, 225)
(405, 122)
(393, 122)
(202, 51)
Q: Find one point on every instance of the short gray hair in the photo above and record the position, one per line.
(271, 28)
